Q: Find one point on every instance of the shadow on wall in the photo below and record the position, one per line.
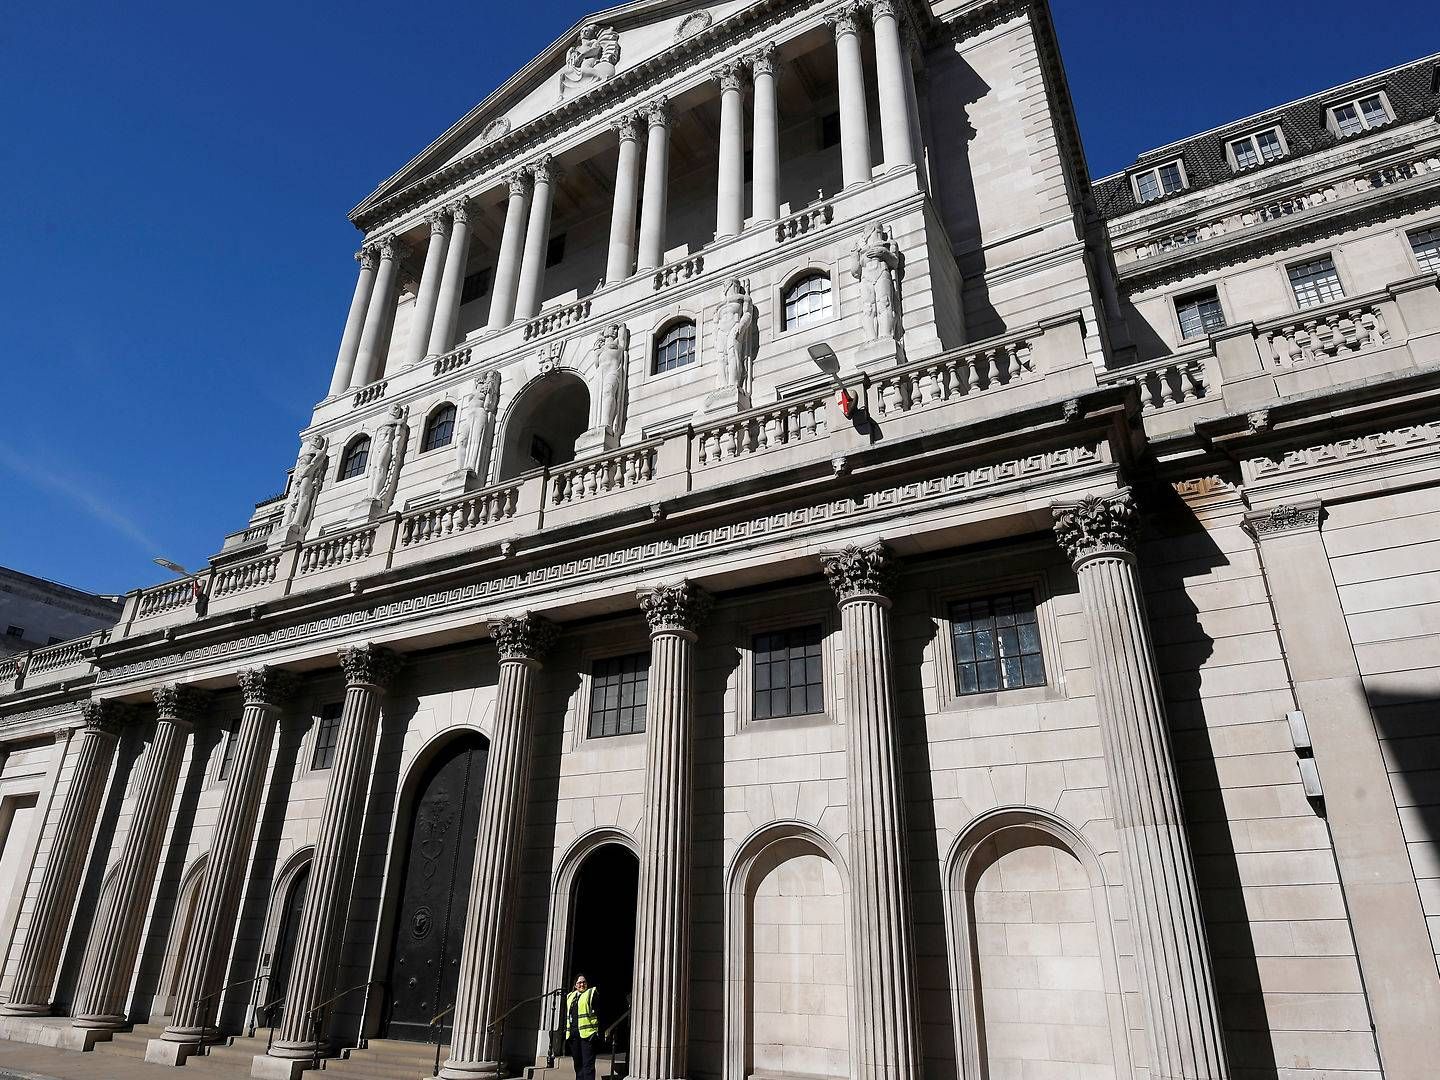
(957, 83)
(1183, 648)
(1149, 345)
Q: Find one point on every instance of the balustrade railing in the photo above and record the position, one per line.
(952, 375)
(805, 222)
(453, 361)
(547, 322)
(1326, 334)
(261, 530)
(366, 394)
(246, 576)
(331, 551)
(166, 598)
(58, 656)
(759, 430)
(472, 511)
(675, 273)
(590, 477)
(1166, 383)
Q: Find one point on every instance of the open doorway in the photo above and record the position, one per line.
(547, 418)
(602, 933)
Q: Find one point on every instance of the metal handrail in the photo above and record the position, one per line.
(609, 1032)
(435, 1033)
(491, 1027)
(269, 1012)
(315, 1015)
(204, 1043)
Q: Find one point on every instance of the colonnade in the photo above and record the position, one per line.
(518, 286)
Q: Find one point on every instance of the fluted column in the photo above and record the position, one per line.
(620, 263)
(507, 266)
(39, 959)
(428, 298)
(202, 968)
(657, 185)
(1177, 986)
(660, 1004)
(765, 183)
(522, 641)
(854, 123)
(368, 670)
(102, 1002)
(370, 362)
(537, 239)
(892, 72)
(881, 934)
(452, 283)
(354, 323)
(730, 184)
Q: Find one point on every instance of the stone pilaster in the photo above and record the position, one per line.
(39, 959)
(101, 1002)
(202, 970)
(660, 1004)
(370, 363)
(512, 240)
(620, 262)
(657, 185)
(427, 300)
(537, 239)
(452, 283)
(730, 180)
(354, 322)
(881, 934)
(765, 186)
(854, 122)
(522, 641)
(1182, 1020)
(368, 671)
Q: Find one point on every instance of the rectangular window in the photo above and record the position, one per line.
(1362, 114)
(1162, 180)
(1315, 282)
(789, 677)
(15, 631)
(1200, 314)
(997, 644)
(1259, 149)
(476, 285)
(1426, 245)
(555, 253)
(327, 736)
(227, 759)
(619, 692)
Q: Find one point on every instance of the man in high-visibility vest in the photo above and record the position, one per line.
(582, 1028)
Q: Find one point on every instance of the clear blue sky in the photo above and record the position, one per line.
(176, 261)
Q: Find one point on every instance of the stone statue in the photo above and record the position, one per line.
(737, 337)
(590, 61)
(875, 264)
(611, 349)
(476, 420)
(388, 455)
(305, 483)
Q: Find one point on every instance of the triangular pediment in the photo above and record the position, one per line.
(588, 54)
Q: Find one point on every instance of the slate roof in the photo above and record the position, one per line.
(1413, 90)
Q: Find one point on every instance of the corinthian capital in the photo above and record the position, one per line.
(657, 112)
(460, 211)
(104, 716)
(366, 257)
(179, 703)
(627, 127)
(439, 222)
(730, 76)
(392, 248)
(845, 19)
(680, 606)
(1096, 525)
(265, 686)
(520, 182)
(857, 571)
(762, 60)
(369, 665)
(526, 636)
(546, 171)
(883, 9)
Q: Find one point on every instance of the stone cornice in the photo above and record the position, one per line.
(1097, 526)
(677, 607)
(526, 636)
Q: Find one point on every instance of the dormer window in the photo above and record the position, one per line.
(1260, 148)
(1363, 114)
(1160, 181)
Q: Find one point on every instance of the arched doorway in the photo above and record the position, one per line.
(290, 912)
(602, 930)
(179, 943)
(434, 878)
(547, 418)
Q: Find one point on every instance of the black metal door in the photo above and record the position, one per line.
(285, 940)
(435, 885)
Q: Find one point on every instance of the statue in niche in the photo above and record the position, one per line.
(476, 419)
(612, 351)
(305, 482)
(875, 264)
(388, 454)
(590, 61)
(737, 336)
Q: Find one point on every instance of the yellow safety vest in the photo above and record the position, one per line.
(585, 1013)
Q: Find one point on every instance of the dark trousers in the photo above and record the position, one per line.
(583, 1051)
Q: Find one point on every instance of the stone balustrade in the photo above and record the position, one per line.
(472, 511)
(592, 477)
(560, 318)
(759, 430)
(1345, 328)
(245, 576)
(675, 273)
(64, 654)
(1167, 382)
(453, 360)
(953, 375)
(330, 552)
(367, 394)
(809, 220)
(166, 598)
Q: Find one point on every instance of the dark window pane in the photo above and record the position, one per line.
(788, 674)
(676, 348)
(227, 759)
(996, 644)
(356, 458)
(619, 691)
(327, 736)
(440, 429)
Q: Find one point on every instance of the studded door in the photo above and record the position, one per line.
(430, 922)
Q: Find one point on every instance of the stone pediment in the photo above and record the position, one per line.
(585, 56)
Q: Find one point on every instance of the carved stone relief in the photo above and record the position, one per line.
(590, 61)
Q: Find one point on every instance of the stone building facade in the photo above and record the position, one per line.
(36, 613)
(782, 540)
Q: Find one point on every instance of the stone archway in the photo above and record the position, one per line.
(179, 944)
(543, 424)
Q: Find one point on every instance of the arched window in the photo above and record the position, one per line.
(357, 456)
(439, 429)
(675, 347)
(807, 301)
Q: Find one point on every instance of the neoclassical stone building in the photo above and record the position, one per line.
(782, 540)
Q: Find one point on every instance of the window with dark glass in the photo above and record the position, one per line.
(439, 429)
(555, 251)
(1426, 245)
(1259, 149)
(789, 677)
(1163, 180)
(807, 301)
(15, 631)
(327, 736)
(997, 644)
(1315, 282)
(1364, 113)
(475, 285)
(227, 758)
(676, 347)
(1200, 314)
(619, 690)
(357, 456)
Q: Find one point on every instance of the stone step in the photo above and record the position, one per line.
(130, 1043)
(387, 1059)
